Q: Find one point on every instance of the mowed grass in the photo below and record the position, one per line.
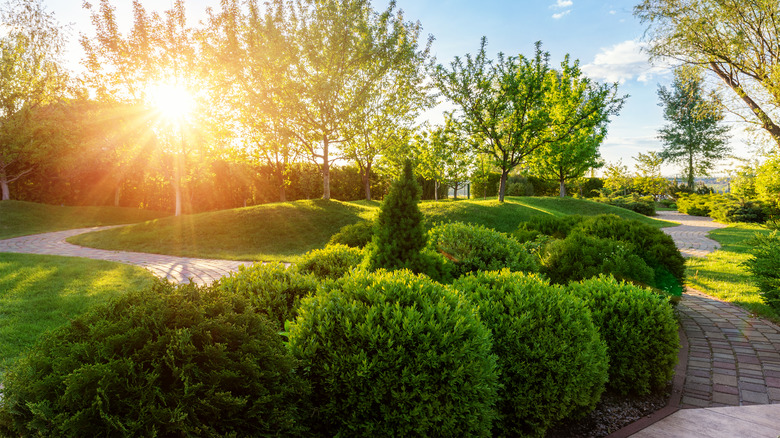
(722, 275)
(39, 293)
(18, 218)
(285, 231)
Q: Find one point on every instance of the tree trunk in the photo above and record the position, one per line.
(455, 191)
(4, 185)
(177, 184)
(117, 194)
(690, 172)
(325, 169)
(282, 191)
(436, 190)
(367, 181)
(563, 188)
(502, 185)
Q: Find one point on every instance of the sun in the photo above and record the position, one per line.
(173, 101)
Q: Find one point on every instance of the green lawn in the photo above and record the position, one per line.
(721, 274)
(39, 293)
(284, 231)
(19, 218)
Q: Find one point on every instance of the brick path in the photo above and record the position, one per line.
(691, 236)
(175, 269)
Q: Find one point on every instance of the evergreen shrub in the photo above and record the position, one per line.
(356, 235)
(551, 359)
(167, 361)
(557, 227)
(475, 247)
(391, 353)
(271, 288)
(331, 262)
(764, 264)
(640, 330)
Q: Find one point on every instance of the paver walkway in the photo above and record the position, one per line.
(733, 358)
(175, 269)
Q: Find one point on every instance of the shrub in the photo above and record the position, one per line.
(395, 354)
(558, 227)
(639, 328)
(167, 361)
(399, 237)
(551, 359)
(271, 288)
(694, 204)
(733, 210)
(645, 207)
(356, 235)
(331, 262)
(764, 264)
(474, 247)
(654, 246)
(582, 256)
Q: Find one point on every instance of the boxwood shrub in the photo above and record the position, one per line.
(640, 330)
(474, 247)
(168, 361)
(395, 354)
(331, 262)
(551, 359)
(557, 227)
(271, 288)
(356, 235)
(764, 264)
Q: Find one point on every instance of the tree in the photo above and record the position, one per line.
(694, 137)
(518, 105)
(442, 154)
(648, 177)
(738, 40)
(31, 76)
(337, 53)
(570, 158)
(153, 66)
(617, 177)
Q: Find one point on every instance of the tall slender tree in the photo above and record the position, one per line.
(695, 136)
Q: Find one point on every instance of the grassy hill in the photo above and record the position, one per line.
(284, 231)
(18, 218)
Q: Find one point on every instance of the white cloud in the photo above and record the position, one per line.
(612, 12)
(563, 4)
(623, 62)
(560, 15)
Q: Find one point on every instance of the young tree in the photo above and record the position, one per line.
(648, 177)
(737, 40)
(570, 158)
(694, 137)
(617, 178)
(518, 105)
(31, 75)
(442, 154)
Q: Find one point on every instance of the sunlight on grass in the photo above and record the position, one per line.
(39, 293)
(722, 275)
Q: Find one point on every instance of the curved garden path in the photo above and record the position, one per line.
(173, 268)
(731, 372)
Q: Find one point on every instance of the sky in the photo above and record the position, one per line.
(603, 35)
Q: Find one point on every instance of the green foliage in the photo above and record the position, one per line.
(331, 262)
(557, 227)
(694, 205)
(639, 205)
(580, 256)
(166, 361)
(640, 330)
(654, 246)
(399, 235)
(394, 354)
(764, 264)
(271, 288)
(551, 359)
(356, 235)
(722, 208)
(475, 248)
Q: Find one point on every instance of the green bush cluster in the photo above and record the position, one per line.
(167, 361)
(331, 262)
(723, 208)
(476, 248)
(557, 227)
(640, 330)
(764, 264)
(271, 288)
(395, 354)
(643, 205)
(356, 235)
(551, 359)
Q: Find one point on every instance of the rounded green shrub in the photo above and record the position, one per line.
(356, 235)
(395, 354)
(551, 359)
(640, 330)
(167, 361)
(582, 256)
(654, 246)
(271, 288)
(331, 262)
(764, 264)
(558, 227)
(476, 248)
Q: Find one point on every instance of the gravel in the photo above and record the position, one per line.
(613, 412)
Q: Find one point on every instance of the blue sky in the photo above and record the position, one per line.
(604, 36)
